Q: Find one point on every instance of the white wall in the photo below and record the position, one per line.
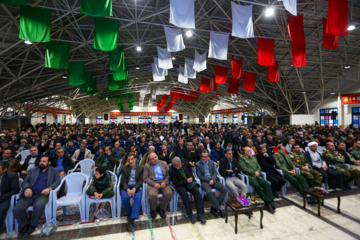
(302, 119)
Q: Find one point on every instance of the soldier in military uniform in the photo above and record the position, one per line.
(355, 152)
(284, 163)
(251, 168)
(336, 159)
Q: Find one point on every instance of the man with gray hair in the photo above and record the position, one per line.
(184, 182)
(81, 154)
(145, 158)
(23, 146)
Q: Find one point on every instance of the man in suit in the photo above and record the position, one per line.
(209, 145)
(14, 164)
(9, 185)
(166, 155)
(62, 162)
(108, 159)
(81, 154)
(156, 175)
(145, 158)
(36, 188)
(31, 161)
(184, 181)
(131, 187)
(206, 172)
(190, 155)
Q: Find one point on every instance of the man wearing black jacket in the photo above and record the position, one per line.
(9, 185)
(62, 162)
(184, 181)
(267, 165)
(30, 161)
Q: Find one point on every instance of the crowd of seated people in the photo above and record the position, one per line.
(186, 158)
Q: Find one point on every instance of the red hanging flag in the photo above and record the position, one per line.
(173, 100)
(236, 66)
(214, 85)
(249, 81)
(298, 55)
(205, 85)
(221, 74)
(337, 24)
(266, 52)
(273, 73)
(296, 29)
(233, 86)
(329, 41)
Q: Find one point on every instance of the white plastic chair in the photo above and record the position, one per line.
(75, 193)
(23, 154)
(86, 167)
(104, 200)
(285, 185)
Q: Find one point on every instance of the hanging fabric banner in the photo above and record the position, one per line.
(329, 41)
(218, 47)
(189, 71)
(337, 24)
(233, 86)
(159, 71)
(92, 88)
(266, 52)
(96, 8)
(214, 85)
(57, 55)
(88, 79)
(290, 6)
(117, 59)
(249, 81)
(205, 85)
(164, 57)
(236, 66)
(158, 75)
(242, 23)
(174, 39)
(121, 75)
(221, 74)
(298, 55)
(199, 62)
(35, 24)
(76, 73)
(182, 13)
(112, 84)
(13, 2)
(273, 73)
(296, 29)
(181, 77)
(106, 33)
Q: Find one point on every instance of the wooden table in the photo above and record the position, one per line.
(234, 205)
(320, 198)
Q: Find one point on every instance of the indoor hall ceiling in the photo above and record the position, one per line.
(24, 80)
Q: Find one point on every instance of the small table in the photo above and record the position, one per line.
(237, 208)
(320, 198)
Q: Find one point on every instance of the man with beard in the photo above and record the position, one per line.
(36, 188)
(31, 161)
(14, 164)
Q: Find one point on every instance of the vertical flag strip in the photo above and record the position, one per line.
(337, 24)
(273, 73)
(266, 52)
(329, 41)
(249, 81)
(221, 74)
(236, 67)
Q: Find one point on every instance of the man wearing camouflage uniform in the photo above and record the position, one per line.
(334, 158)
(313, 177)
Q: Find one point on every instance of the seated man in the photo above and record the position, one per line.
(249, 144)
(313, 177)
(108, 159)
(206, 172)
(132, 150)
(145, 158)
(156, 175)
(70, 148)
(229, 169)
(184, 181)
(284, 163)
(331, 177)
(81, 154)
(14, 164)
(30, 161)
(166, 155)
(62, 162)
(119, 151)
(229, 145)
(9, 185)
(332, 157)
(36, 188)
(350, 158)
(217, 153)
(101, 185)
(23, 146)
(131, 187)
(189, 157)
(251, 168)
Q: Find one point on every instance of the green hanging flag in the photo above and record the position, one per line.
(117, 59)
(106, 33)
(112, 84)
(57, 55)
(92, 89)
(121, 75)
(13, 2)
(35, 24)
(76, 73)
(96, 8)
(88, 78)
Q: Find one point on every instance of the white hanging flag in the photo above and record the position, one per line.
(242, 23)
(290, 5)
(200, 62)
(156, 77)
(189, 71)
(159, 71)
(218, 47)
(182, 13)
(174, 39)
(164, 56)
(181, 77)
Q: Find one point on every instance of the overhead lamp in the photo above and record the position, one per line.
(351, 27)
(138, 48)
(64, 76)
(303, 92)
(28, 42)
(269, 11)
(332, 92)
(137, 68)
(189, 33)
(347, 66)
(136, 78)
(173, 58)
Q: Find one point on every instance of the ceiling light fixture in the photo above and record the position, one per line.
(303, 92)
(189, 33)
(64, 76)
(332, 92)
(173, 58)
(269, 11)
(138, 48)
(351, 27)
(28, 42)
(136, 78)
(347, 66)
(137, 68)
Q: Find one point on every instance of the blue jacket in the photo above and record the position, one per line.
(215, 156)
